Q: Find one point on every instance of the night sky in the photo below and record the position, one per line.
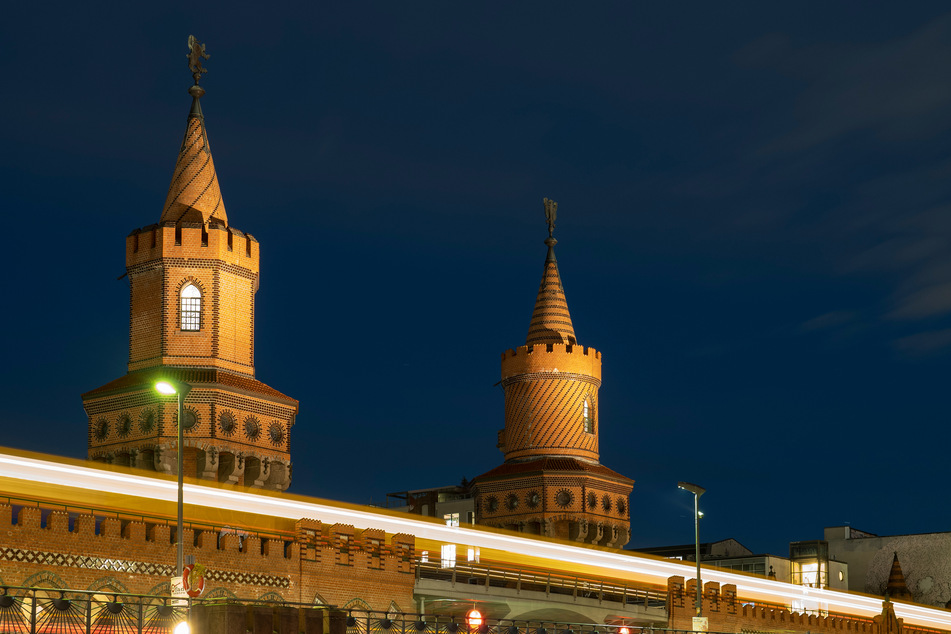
(753, 228)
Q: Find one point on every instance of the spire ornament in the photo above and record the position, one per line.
(196, 51)
(551, 210)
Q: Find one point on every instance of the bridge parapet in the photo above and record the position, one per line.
(727, 612)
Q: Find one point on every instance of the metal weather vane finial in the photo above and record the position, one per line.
(196, 51)
(551, 210)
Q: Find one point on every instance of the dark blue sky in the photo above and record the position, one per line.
(753, 227)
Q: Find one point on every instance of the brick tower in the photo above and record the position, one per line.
(551, 482)
(192, 283)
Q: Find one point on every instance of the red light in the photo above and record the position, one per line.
(474, 618)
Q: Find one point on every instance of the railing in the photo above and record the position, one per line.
(54, 611)
(551, 583)
(366, 622)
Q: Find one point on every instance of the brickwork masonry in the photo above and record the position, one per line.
(552, 357)
(727, 613)
(333, 564)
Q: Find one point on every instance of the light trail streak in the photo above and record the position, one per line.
(644, 568)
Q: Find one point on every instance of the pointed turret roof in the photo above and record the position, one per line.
(194, 195)
(551, 321)
(896, 587)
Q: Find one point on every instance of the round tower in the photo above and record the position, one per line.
(551, 482)
(192, 280)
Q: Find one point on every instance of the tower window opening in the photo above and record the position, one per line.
(204, 236)
(178, 235)
(153, 238)
(587, 417)
(135, 243)
(230, 240)
(191, 308)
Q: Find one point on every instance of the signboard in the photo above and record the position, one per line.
(177, 590)
(700, 624)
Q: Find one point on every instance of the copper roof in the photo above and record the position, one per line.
(551, 322)
(194, 195)
(549, 464)
(197, 377)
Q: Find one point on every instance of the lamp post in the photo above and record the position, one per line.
(697, 491)
(169, 387)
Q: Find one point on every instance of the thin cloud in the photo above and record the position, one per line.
(827, 321)
(923, 303)
(896, 88)
(924, 343)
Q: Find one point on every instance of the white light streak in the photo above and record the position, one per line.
(749, 588)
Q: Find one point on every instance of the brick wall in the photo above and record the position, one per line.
(726, 613)
(52, 548)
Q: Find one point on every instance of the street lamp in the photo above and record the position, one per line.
(169, 387)
(697, 491)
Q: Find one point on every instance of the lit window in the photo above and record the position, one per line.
(452, 519)
(448, 556)
(191, 308)
(586, 414)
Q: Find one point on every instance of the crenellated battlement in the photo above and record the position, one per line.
(728, 613)
(243, 562)
(192, 241)
(551, 357)
(345, 545)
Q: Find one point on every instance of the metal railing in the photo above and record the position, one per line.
(551, 583)
(367, 622)
(55, 611)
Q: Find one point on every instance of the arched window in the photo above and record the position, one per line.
(191, 308)
(587, 416)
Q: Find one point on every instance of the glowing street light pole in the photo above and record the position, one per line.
(697, 491)
(169, 387)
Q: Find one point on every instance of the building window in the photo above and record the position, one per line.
(452, 519)
(588, 417)
(191, 308)
(447, 556)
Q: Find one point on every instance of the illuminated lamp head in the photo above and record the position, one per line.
(473, 619)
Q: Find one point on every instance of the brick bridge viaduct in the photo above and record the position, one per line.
(103, 529)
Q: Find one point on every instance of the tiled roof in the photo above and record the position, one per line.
(551, 322)
(194, 195)
(550, 464)
(197, 377)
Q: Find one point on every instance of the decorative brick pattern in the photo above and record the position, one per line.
(85, 551)
(551, 322)
(194, 194)
(193, 246)
(550, 439)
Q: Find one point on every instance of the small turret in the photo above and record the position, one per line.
(551, 482)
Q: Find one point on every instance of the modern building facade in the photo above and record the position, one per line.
(923, 560)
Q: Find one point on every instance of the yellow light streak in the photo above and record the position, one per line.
(57, 472)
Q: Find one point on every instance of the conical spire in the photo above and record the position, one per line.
(896, 587)
(551, 321)
(194, 195)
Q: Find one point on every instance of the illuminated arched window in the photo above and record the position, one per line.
(191, 308)
(588, 417)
